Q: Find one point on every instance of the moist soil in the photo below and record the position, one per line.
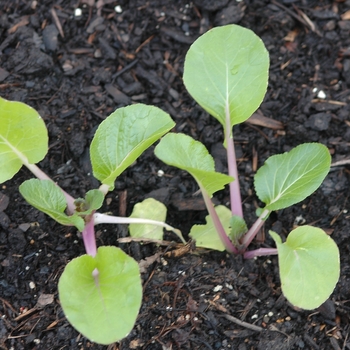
(76, 70)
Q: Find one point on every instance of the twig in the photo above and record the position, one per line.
(243, 324)
(57, 22)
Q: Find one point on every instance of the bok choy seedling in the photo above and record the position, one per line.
(100, 292)
(226, 72)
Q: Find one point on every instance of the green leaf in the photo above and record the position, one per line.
(184, 152)
(206, 235)
(238, 228)
(123, 136)
(227, 69)
(93, 201)
(148, 209)
(48, 198)
(101, 296)
(288, 178)
(23, 137)
(309, 266)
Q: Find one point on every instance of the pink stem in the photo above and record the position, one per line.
(260, 252)
(235, 193)
(218, 225)
(89, 237)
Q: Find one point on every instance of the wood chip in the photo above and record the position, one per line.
(260, 120)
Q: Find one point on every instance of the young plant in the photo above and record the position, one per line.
(100, 292)
(226, 72)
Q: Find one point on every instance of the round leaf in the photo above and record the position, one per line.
(309, 266)
(226, 70)
(123, 136)
(101, 295)
(148, 209)
(288, 178)
(23, 137)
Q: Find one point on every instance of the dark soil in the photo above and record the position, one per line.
(103, 60)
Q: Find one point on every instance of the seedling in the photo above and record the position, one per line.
(226, 72)
(100, 292)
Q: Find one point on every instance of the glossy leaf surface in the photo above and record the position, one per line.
(309, 266)
(184, 152)
(23, 137)
(123, 136)
(101, 295)
(288, 178)
(226, 70)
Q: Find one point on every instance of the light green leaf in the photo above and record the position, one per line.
(101, 296)
(184, 152)
(226, 69)
(288, 178)
(238, 228)
(45, 196)
(309, 266)
(206, 235)
(148, 209)
(123, 136)
(93, 200)
(23, 137)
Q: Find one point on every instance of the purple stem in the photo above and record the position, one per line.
(253, 231)
(235, 193)
(218, 225)
(89, 237)
(260, 252)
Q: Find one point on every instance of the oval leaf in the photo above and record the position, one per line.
(288, 178)
(309, 266)
(206, 235)
(101, 296)
(226, 70)
(45, 196)
(123, 136)
(148, 209)
(23, 137)
(184, 152)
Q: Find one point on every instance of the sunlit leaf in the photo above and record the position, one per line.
(23, 137)
(309, 266)
(101, 295)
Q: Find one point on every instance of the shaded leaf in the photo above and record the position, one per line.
(148, 209)
(288, 178)
(206, 235)
(184, 152)
(226, 70)
(45, 196)
(123, 136)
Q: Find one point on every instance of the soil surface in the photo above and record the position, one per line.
(77, 69)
